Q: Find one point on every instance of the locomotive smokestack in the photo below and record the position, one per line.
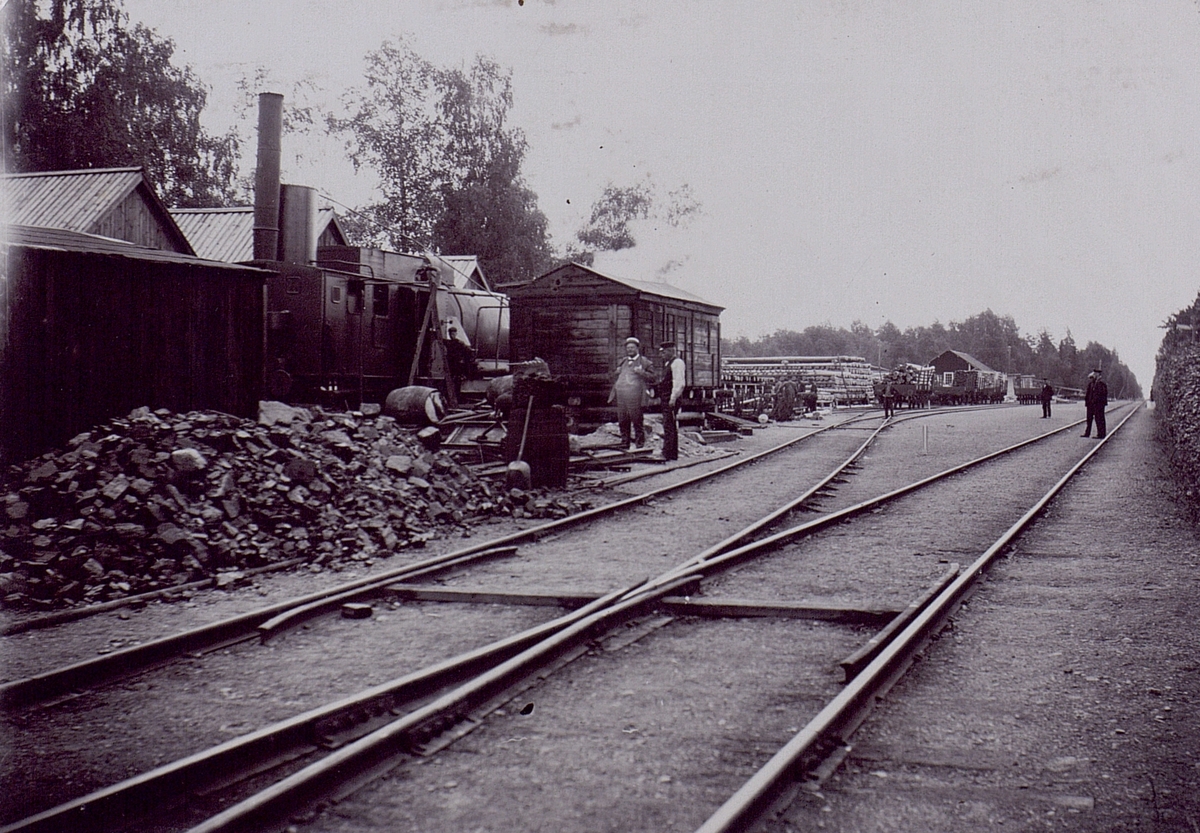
(266, 176)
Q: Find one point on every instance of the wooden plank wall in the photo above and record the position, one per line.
(91, 337)
(133, 220)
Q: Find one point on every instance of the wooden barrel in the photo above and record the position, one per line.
(547, 447)
(415, 405)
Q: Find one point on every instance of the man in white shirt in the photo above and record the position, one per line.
(669, 390)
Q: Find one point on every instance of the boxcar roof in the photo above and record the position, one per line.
(662, 290)
(81, 200)
(64, 240)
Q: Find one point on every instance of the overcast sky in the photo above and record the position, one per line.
(912, 161)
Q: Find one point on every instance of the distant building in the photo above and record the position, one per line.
(951, 361)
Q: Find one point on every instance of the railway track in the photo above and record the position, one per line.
(269, 620)
(431, 703)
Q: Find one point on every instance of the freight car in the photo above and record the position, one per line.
(961, 379)
(912, 386)
(968, 387)
(1027, 389)
(577, 319)
(751, 381)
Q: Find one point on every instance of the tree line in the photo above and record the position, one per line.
(993, 339)
(84, 87)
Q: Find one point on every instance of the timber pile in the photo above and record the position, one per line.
(157, 499)
(846, 380)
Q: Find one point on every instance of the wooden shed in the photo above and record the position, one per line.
(91, 328)
(961, 379)
(577, 320)
(108, 202)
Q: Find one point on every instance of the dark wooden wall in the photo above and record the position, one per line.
(86, 337)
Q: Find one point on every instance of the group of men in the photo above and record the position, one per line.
(636, 378)
(1095, 400)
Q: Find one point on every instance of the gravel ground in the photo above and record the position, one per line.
(1066, 696)
(32, 652)
(649, 736)
(616, 774)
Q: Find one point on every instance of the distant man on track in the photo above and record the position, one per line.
(1047, 395)
(888, 395)
(1096, 400)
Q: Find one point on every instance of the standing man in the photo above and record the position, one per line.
(634, 373)
(1047, 395)
(460, 365)
(1087, 403)
(889, 399)
(1099, 403)
(669, 390)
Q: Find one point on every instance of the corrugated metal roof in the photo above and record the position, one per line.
(228, 233)
(65, 240)
(74, 200)
(225, 234)
(81, 200)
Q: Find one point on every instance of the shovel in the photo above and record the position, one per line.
(517, 476)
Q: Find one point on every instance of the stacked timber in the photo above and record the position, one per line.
(843, 380)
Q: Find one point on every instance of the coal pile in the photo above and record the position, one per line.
(156, 499)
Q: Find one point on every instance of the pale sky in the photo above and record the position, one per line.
(904, 160)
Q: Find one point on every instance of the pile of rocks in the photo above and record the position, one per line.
(158, 499)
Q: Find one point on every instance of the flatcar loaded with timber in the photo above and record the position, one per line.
(577, 320)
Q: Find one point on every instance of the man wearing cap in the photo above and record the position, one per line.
(1099, 402)
(629, 392)
(1047, 396)
(669, 390)
(1095, 400)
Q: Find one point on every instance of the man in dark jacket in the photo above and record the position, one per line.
(1047, 396)
(1099, 403)
(1095, 400)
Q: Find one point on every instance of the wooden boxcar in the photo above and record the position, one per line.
(577, 320)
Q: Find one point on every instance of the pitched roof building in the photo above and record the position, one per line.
(227, 234)
(951, 360)
(108, 202)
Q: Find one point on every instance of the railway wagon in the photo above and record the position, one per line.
(969, 387)
(363, 321)
(1027, 388)
(912, 386)
(961, 379)
(577, 320)
(750, 382)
